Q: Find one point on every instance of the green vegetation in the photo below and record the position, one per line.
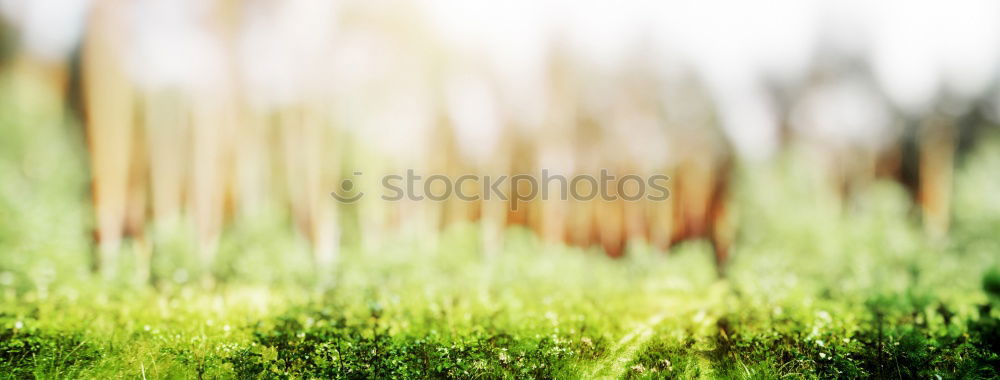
(644, 317)
(816, 289)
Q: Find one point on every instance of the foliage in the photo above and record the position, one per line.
(816, 289)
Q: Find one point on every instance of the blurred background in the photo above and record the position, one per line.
(172, 140)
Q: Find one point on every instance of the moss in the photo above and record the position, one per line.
(28, 352)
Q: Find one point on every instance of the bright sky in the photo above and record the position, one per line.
(918, 49)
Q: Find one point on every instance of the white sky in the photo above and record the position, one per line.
(917, 48)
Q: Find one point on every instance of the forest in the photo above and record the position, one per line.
(440, 189)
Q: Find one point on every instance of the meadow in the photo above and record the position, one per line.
(816, 288)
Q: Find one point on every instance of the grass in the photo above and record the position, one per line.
(416, 310)
(635, 318)
(816, 289)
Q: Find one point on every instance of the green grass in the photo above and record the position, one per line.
(815, 289)
(539, 312)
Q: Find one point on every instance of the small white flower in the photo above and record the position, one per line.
(147, 328)
(19, 325)
(225, 328)
(822, 355)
